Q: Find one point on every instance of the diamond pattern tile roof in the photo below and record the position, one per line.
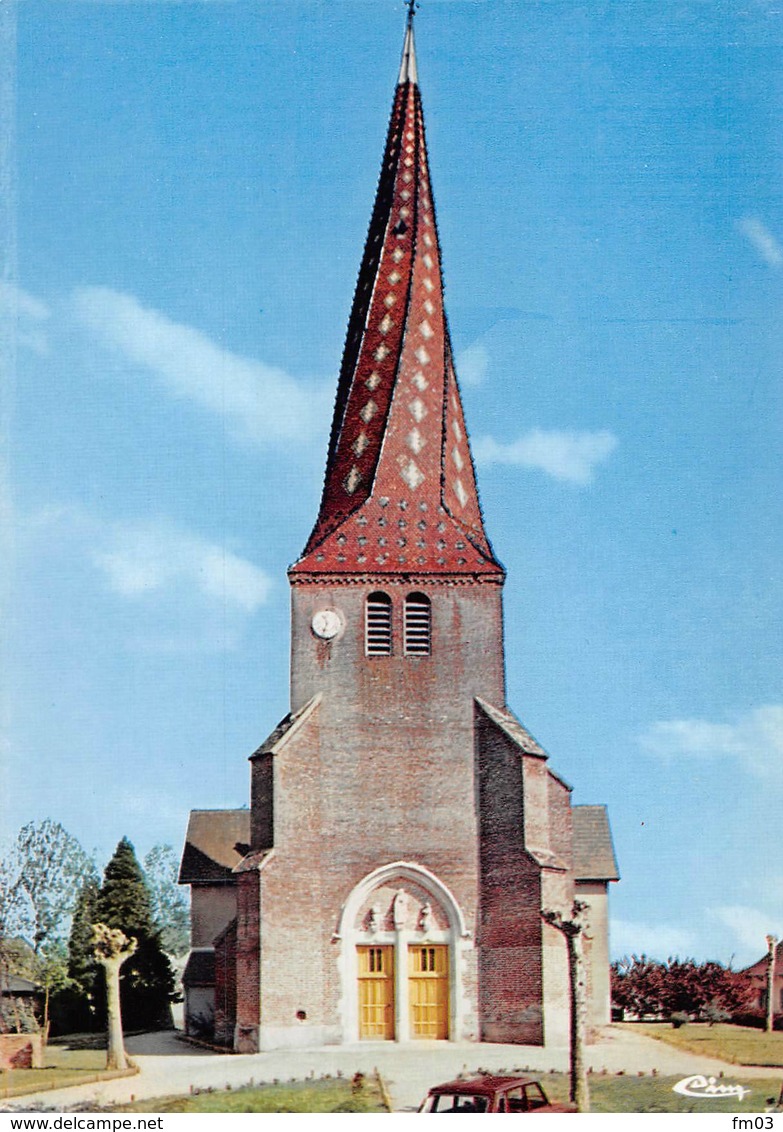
(400, 491)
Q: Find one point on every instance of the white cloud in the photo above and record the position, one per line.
(141, 558)
(657, 941)
(570, 456)
(473, 364)
(27, 313)
(762, 240)
(16, 301)
(748, 925)
(754, 739)
(261, 403)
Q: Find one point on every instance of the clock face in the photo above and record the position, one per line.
(326, 624)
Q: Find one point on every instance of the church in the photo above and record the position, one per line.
(405, 830)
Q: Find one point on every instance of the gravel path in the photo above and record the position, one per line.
(169, 1065)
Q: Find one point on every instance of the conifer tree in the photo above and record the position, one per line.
(83, 1001)
(123, 904)
(124, 900)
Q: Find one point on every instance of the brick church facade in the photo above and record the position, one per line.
(404, 829)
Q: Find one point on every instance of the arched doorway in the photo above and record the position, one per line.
(403, 939)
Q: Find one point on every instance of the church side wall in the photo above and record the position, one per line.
(212, 908)
(509, 939)
(226, 987)
(595, 894)
(248, 1000)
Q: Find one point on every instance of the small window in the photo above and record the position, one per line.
(378, 625)
(418, 625)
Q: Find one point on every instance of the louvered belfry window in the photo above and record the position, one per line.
(418, 625)
(378, 625)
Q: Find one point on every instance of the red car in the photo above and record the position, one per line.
(491, 1094)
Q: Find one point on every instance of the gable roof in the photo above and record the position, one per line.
(18, 985)
(215, 842)
(761, 965)
(594, 857)
(510, 725)
(287, 727)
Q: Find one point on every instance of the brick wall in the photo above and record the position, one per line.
(226, 986)
(247, 962)
(510, 970)
(382, 771)
(21, 1051)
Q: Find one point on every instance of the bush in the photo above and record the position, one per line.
(755, 1019)
(17, 1016)
(648, 988)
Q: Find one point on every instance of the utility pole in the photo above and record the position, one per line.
(771, 948)
(574, 932)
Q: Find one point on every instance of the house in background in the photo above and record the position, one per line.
(405, 829)
(215, 842)
(758, 978)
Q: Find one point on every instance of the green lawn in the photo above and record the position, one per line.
(331, 1095)
(737, 1044)
(611, 1093)
(62, 1066)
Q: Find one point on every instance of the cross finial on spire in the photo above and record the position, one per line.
(408, 67)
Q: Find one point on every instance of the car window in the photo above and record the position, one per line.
(456, 1102)
(534, 1095)
(515, 1101)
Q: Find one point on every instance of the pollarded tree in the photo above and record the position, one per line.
(112, 950)
(124, 905)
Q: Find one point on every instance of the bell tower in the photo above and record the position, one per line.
(405, 829)
(398, 581)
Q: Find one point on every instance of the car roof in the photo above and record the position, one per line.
(484, 1084)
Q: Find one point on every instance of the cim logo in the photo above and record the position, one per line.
(708, 1088)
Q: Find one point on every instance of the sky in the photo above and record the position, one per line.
(191, 187)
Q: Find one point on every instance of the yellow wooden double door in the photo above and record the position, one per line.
(428, 991)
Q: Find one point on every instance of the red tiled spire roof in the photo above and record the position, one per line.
(400, 489)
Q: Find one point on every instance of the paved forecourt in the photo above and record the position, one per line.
(169, 1065)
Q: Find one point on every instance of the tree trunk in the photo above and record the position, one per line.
(116, 1058)
(111, 949)
(771, 945)
(580, 1089)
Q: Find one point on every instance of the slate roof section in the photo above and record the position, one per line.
(594, 857)
(508, 722)
(216, 841)
(18, 985)
(287, 727)
(399, 492)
